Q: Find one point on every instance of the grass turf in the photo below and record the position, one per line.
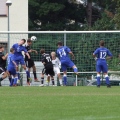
(59, 103)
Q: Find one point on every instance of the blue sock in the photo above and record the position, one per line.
(65, 80)
(28, 73)
(75, 70)
(18, 75)
(15, 80)
(98, 80)
(11, 83)
(107, 80)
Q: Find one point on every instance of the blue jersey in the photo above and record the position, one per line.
(18, 50)
(101, 54)
(11, 66)
(63, 53)
(10, 60)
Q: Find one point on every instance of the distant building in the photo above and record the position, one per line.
(18, 19)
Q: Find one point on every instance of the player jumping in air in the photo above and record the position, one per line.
(63, 54)
(2, 64)
(56, 65)
(100, 56)
(18, 47)
(11, 68)
(47, 62)
(29, 62)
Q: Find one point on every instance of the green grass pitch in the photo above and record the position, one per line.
(59, 103)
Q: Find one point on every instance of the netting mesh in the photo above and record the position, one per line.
(82, 45)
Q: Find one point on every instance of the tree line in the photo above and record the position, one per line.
(74, 15)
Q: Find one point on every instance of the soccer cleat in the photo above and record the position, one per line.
(108, 86)
(98, 86)
(18, 81)
(42, 85)
(30, 79)
(14, 85)
(77, 74)
(36, 80)
(28, 83)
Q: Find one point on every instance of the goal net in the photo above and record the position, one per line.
(81, 43)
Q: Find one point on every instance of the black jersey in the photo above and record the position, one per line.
(27, 48)
(2, 62)
(48, 61)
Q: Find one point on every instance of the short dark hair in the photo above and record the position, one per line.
(23, 40)
(11, 49)
(42, 51)
(29, 40)
(60, 43)
(1, 46)
(102, 43)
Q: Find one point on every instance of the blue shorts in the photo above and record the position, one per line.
(19, 60)
(11, 70)
(102, 67)
(65, 64)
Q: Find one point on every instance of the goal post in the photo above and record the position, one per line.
(82, 44)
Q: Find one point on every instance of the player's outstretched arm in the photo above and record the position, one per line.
(71, 53)
(35, 51)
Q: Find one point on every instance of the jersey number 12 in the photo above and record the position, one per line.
(103, 55)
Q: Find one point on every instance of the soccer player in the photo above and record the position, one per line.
(100, 56)
(47, 62)
(3, 64)
(18, 47)
(11, 68)
(29, 62)
(56, 65)
(63, 54)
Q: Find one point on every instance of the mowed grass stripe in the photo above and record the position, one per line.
(59, 103)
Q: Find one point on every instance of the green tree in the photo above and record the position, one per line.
(117, 14)
(55, 15)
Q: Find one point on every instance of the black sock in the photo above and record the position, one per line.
(42, 80)
(34, 73)
(1, 79)
(10, 79)
(28, 79)
(53, 83)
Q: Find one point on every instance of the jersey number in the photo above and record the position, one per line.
(48, 59)
(103, 55)
(62, 53)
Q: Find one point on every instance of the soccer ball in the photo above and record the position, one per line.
(33, 38)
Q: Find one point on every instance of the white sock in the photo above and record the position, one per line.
(60, 80)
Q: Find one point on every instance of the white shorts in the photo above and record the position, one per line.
(57, 70)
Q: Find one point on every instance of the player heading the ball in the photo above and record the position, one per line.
(18, 47)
